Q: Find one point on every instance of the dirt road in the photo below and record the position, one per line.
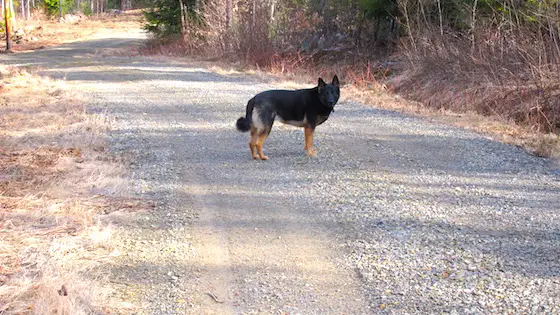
(395, 215)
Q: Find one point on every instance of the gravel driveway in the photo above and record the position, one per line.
(396, 215)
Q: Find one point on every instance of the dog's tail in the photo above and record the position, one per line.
(244, 123)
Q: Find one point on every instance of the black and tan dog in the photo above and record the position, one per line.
(305, 108)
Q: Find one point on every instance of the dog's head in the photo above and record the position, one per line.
(329, 93)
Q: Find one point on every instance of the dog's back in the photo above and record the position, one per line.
(287, 105)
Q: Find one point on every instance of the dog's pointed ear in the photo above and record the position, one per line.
(335, 81)
(321, 83)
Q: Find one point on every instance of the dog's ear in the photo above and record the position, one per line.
(335, 81)
(321, 83)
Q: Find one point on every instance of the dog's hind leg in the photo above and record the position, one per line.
(309, 141)
(260, 142)
(253, 143)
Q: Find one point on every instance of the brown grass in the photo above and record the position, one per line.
(56, 179)
(509, 79)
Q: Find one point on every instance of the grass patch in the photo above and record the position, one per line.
(56, 181)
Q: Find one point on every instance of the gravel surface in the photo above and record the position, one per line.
(395, 215)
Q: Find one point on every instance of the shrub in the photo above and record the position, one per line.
(52, 7)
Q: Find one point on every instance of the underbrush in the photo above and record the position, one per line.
(512, 77)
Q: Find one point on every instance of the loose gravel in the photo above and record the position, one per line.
(396, 215)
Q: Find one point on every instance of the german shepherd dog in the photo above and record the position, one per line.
(305, 108)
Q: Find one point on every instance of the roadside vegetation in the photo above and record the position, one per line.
(57, 183)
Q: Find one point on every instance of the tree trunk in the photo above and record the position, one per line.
(254, 13)
(272, 7)
(183, 18)
(228, 14)
(473, 26)
(404, 6)
(377, 27)
(440, 18)
(7, 7)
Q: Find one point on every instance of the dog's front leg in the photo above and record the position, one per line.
(309, 141)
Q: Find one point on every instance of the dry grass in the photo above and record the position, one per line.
(56, 179)
(50, 32)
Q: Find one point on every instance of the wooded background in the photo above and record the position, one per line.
(26, 9)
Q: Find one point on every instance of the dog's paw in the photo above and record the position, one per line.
(264, 157)
(312, 153)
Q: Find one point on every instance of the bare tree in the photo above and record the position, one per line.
(404, 7)
(228, 14)
(183, 18)
(440, 18)
(254, 13)
(473, 26)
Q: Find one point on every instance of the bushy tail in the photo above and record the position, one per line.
(244, 123)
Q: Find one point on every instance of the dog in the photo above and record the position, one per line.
(307, 108)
